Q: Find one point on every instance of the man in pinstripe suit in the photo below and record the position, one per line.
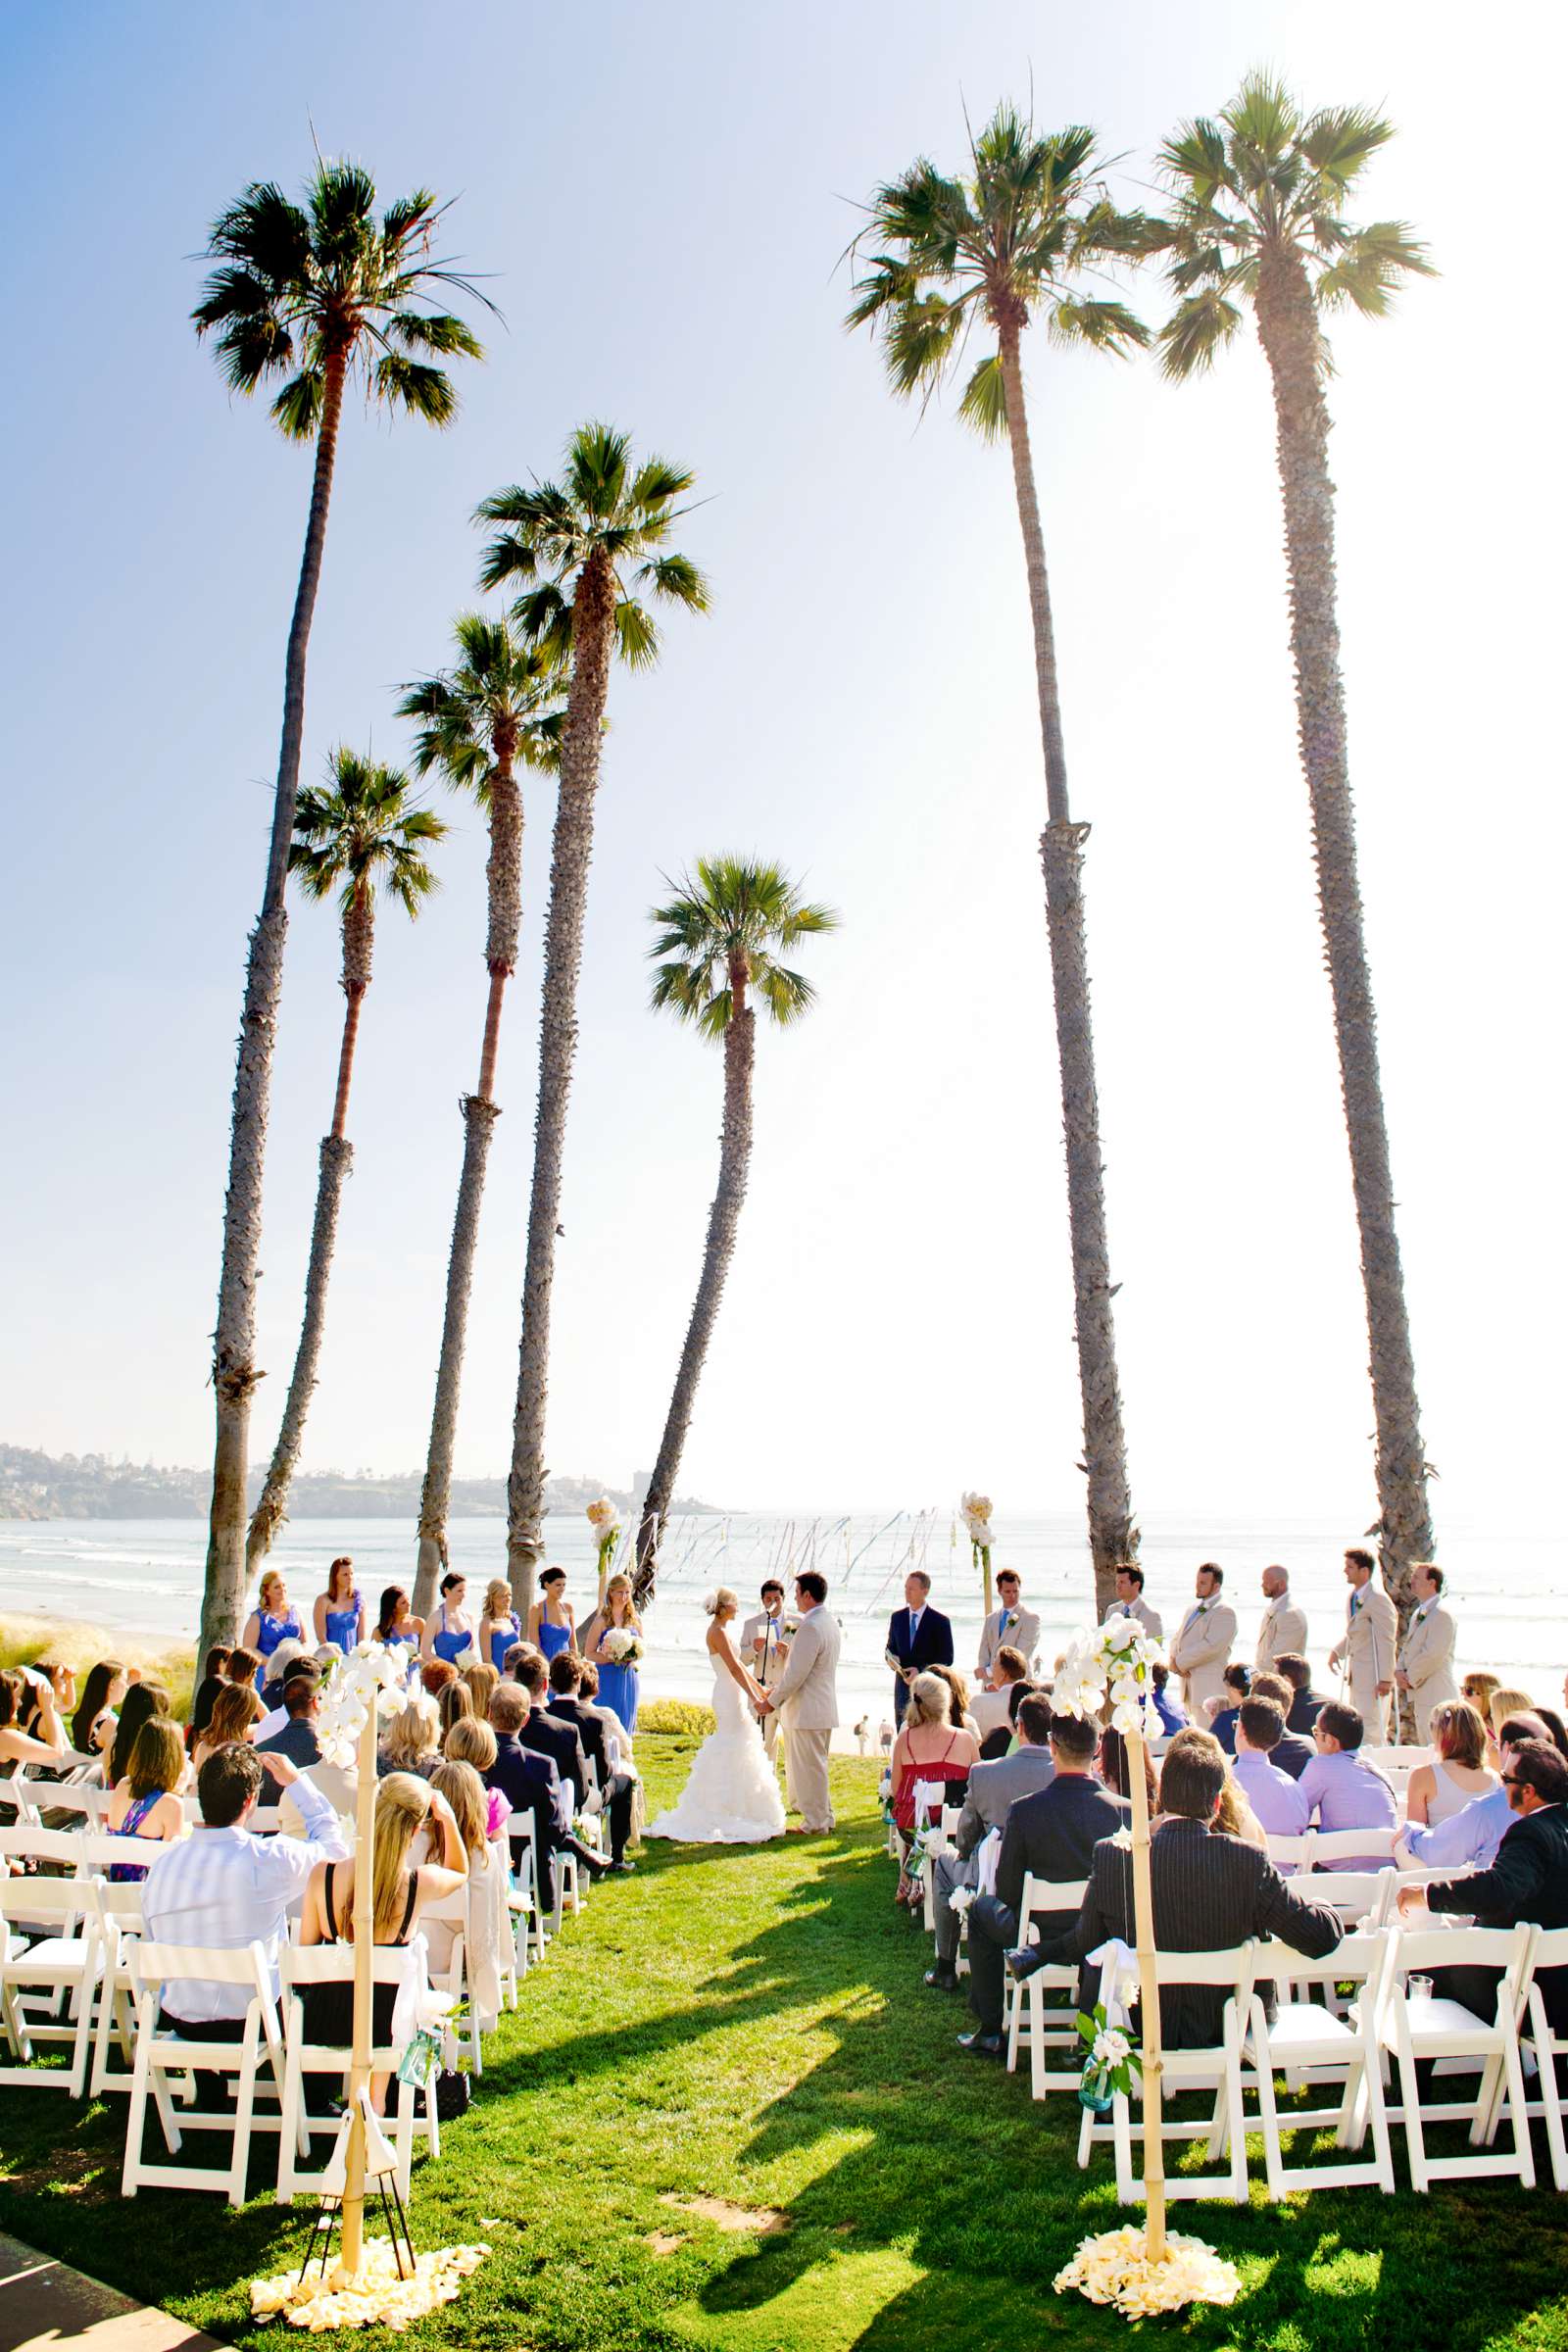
(1211, 1893)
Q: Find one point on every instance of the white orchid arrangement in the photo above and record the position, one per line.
(369, 1680)
(605, 1520)
(1115, 1659)
(975, 1512)
(1110, 2059)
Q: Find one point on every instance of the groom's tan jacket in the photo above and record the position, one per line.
(806, 1694)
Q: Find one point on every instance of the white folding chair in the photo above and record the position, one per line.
(120, 1917)
(511, 1963)
(527, 1899)
(1290, 1854)
(1344, 1850)
(1547, 2045)
(333, 1964)
(1354, 1895)
(59, 1968)
(1310, 2040)
(1429, 2025)
(30, 1842)
(72, 1796)
(1217, 2067)
(1032, 2018)
(455, 1911)
(160, 2054)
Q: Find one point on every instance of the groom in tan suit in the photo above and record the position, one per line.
(806, 1696)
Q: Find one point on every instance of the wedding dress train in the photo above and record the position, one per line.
(731, 1795)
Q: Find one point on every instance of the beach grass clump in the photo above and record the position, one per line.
(44, 1640)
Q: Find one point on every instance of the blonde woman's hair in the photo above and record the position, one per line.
(498, 1598)
(719, 1601)
(472, 1742)
(412, 1736)
(481, 1680)
(273, 1577)
(464, 1792)
(1458, 1733)
(620, 1582)
(929, 1699)
(401, 1807)
(1503, 1704)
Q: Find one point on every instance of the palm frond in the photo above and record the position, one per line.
(985, 399)
(1102, 325)
(1197, 331)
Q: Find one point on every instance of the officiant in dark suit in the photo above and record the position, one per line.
(918, 1637)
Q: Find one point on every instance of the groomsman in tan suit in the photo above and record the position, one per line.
(807, 1698)
(1282, 1631)
(1200, 1652)
(1129, 1603)
(1426, 1661)
(1365, 1651)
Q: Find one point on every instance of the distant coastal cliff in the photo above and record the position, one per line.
(89, 1486)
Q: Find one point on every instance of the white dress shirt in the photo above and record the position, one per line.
(228, 1887)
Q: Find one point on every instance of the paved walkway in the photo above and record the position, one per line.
(45, 2306)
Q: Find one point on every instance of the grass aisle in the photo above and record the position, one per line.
(747, 2029)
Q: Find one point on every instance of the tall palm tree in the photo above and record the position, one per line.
(315, 293)
(498, 705)
(1012, 240)
(1258, 218)
(723, 933)
(363, 835)
(586, 552)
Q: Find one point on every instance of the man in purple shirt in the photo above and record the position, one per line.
(1343, 1792)
(1474, 1834)
(1273, 1795)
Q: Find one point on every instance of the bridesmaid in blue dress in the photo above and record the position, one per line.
(552, 1627)
(450, 1629)
(618, 1683)
(500, 1628)
(339, 1613)
(271, 1621)
(396, 1626)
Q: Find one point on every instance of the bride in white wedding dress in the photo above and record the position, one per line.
(732, 1794)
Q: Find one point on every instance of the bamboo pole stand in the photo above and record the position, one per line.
(364, 1959)
(1148, 1989)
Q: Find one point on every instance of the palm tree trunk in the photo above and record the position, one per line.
(723, 1222)
(480, 1112)
(592, 626)
(1112, 1535)
(234, 1371)
(1287, 320)
(337, 1158)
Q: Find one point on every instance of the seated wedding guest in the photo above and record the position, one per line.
(396, 1626)
(621, 1752)
(412, 1741)
(959, 1714)
(243, 1666)
(213, 1678)
(141, 1702)
(1474, 1834)
(500, 1626)
(930, 1748)
(44, 1744)
(474, 1742)
(1344, 1792)
(92, 1727)
(1307, 1704)
(45, 1704)
(481, 1680)
(1005, 1741)
(1211, 1893)
(1291, 1752)
(400, 1892)
(514, 1658)
(1501, 1704)
(1234, 1817)
(1009, 1627)
(434, 1676)
(233, 1719)
(1167, 1704)
(994, 1788)
(616, 1788)
(1526, 1881)
(528, 1778)
(1115, 1767)
(550, 1735)
(295, 1737)
(1478, 1687)
(1224, 1710)
(1051, 1835)
(989, 1707)
(552, 1625)
(225, 1888)
(450, 1631)
(338, 1615)
(288, 1659)
(146, 1802)
(1459, 1773)
(470, 1799)
(454, 1703)
(1556, 1730)
(1275, 1798)
(273, 1619)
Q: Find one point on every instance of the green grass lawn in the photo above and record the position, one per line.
(751, 2027)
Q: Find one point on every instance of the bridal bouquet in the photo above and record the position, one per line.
(621, 1647)
(605, 1520)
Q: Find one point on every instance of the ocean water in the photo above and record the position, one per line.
(145, 1577)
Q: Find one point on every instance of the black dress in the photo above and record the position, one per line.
(329, 2008)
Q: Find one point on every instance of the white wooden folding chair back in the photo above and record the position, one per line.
(161, 2053)
(510, 1960)
(1215, 2066)
(527, 1879)
(17, 1796)
(1349, 1849)
(333, 1964)
(1041, 2013)
(58, 1968)
(119, 1914)
(1548, 2046)
(1313, 2041)
(1356, 1897)
(1430, 2026)
(30, 1842)
(74, 1796)
(1290, 1854)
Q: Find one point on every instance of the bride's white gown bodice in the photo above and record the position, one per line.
(732, 1794)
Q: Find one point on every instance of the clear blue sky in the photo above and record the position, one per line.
(662, 196)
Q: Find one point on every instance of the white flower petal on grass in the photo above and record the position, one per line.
(1115, 2268)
